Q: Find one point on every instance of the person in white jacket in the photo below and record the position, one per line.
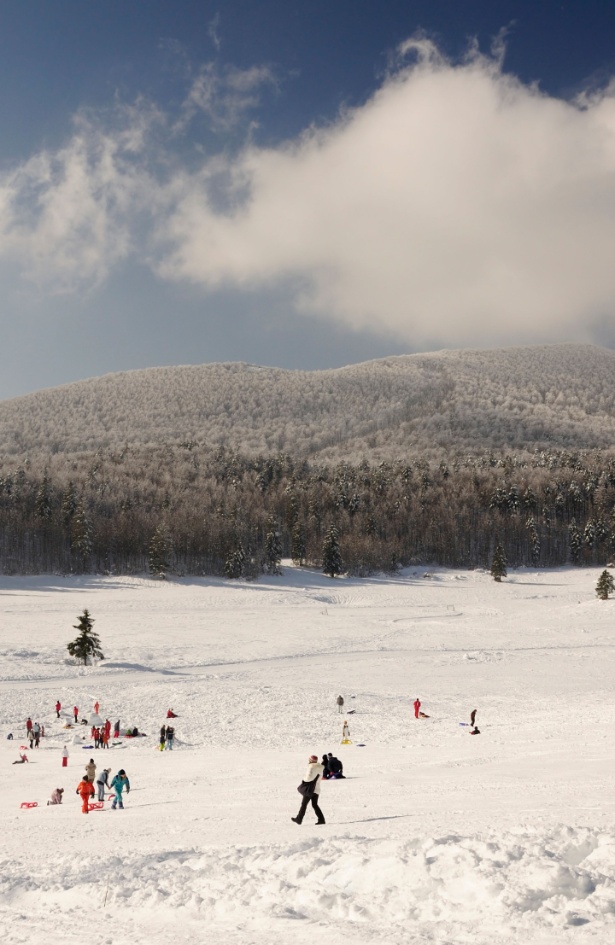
(313, 776)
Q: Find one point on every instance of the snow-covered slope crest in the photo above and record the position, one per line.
(551, 395)
(481, 887)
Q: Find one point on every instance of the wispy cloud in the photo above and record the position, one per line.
(455, 206)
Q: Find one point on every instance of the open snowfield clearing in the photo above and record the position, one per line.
(434, 836)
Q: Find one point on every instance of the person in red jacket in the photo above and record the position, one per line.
(76, 713)
(86, 790)
(58, 707)
(417, 706)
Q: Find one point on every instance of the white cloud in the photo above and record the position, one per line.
(457, 205)
(66, 217)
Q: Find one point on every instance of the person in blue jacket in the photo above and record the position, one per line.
(118, 784)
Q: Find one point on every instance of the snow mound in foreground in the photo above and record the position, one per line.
(518, 881)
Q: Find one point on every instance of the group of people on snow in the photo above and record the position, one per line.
(85, 788)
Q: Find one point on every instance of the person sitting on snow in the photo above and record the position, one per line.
(56, 796)
(336, 768)
(171, 714)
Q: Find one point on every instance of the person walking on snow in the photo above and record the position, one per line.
(163, 737)
(58, 707)
(29, 729)
(96, 707)
(118, 784)
(65, 757)
(102, 782)
(473, 717)
(76, 713)
(86, 791)
(312, 777)
(170, 737)
(417, 706)
(340, 703)
(90, 770)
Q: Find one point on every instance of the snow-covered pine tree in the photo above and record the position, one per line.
(235, 562)
(273, 549)
(331, 555)
(605, 585)
(298, 549)
(498, 565)
(159, 548)
(87, 644)
(575, 542)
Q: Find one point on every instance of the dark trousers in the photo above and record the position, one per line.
(317, 810)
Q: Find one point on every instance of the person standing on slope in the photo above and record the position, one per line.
(312, 777)
(76, 713)
(90, 770)
(473, 717)
(417, 706)
(65, 757)
(163, 737)
(85, 789)
(102, 782)
(118, 784)
(58, 707)
(170, 737)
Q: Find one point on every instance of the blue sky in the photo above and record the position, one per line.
(302, 184)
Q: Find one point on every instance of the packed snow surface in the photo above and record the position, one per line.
(434, 836)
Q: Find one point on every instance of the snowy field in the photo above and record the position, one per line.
(435, 836)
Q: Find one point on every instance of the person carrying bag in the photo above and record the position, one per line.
(310, 791)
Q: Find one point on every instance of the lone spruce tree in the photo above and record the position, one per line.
(87, 644)
(331, 555)
(605, 585)
(498, 565)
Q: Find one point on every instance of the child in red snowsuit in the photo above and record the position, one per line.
(86, 790)
(417, 706)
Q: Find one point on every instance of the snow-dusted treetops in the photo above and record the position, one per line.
(438, 404)
(227, 469)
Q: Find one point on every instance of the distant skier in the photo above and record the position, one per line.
(58, 707)
(340, 704)
(473, 717)
(85, 789)
(417, 707)
(312, 777)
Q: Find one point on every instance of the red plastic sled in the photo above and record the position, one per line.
(23, 747)
(29, 804)
(97, 805)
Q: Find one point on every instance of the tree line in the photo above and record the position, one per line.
(192, 510)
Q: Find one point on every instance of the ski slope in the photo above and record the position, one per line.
(434, 836)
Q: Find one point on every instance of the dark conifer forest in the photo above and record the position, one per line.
(192, 510)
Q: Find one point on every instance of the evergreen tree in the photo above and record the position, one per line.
(498, 565)
(605, 585)
(575, 542)
(87, 644)
(534, 541)
(159, 548)
(235, 562)
(273, 550)
(81, 535)
(298, 548)
(43, 499)
(331, 555)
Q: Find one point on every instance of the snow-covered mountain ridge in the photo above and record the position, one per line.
(445, 401)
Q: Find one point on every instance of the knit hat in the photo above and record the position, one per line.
(313, 757)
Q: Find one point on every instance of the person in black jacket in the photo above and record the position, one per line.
(336, 768)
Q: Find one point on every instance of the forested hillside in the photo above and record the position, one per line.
(444, 457)
(440, 404)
